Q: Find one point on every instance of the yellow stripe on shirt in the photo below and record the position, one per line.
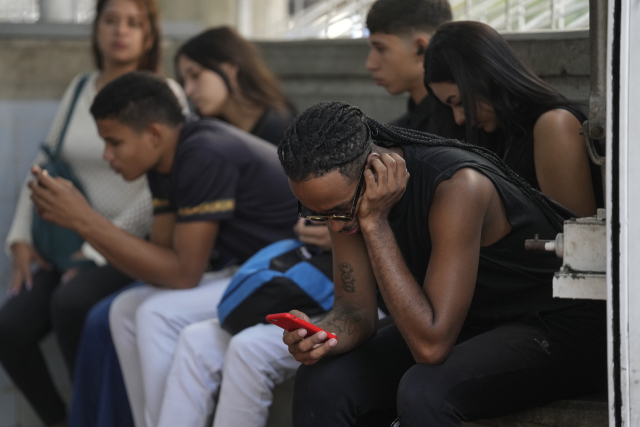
(209, 208)
(160, 203)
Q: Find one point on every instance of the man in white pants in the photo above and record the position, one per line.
(220, 178)
(175, 355)
(242, 370)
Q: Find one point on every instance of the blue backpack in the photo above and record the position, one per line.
(283, 276)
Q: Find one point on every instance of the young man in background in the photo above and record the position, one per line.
(399, 33)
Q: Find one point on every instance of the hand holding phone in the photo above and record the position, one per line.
(289, 322)
(36, 171)
(313, 233)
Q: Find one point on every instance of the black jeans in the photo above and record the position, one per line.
(487, 374)
(29, 316)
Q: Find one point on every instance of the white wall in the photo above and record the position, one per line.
(23, 126)
(623, 158)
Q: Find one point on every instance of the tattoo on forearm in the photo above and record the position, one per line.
(343, 322)
(348, 281)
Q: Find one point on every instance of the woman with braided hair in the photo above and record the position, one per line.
(438, 227)
(507, 108)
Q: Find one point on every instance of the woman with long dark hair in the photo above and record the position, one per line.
(125, 38)
(224, 77)
(508, 109)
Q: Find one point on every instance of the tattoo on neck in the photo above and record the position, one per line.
(348, 281)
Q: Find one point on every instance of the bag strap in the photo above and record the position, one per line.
(74, 100)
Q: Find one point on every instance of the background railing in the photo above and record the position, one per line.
(345, 18)
(31, 11)
(19, 11)
(310, 19)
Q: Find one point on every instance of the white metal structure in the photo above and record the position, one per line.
(623, 175)
(345, 18)
(583, 248)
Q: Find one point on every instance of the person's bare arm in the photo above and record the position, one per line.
(178, 263)
(464, 215)
(354, 316)
(162, 229)
(562, 162)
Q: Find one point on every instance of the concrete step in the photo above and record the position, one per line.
(280, 411)
(586, 411)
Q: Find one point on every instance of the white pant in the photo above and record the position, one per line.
(175, 358)
(242, 370)
(146, 323)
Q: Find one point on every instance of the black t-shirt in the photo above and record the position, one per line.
(430, 116)
(271, 125)
(512, 283)
(221, 173)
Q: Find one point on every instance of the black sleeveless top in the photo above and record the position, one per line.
(511, 283)
(518, 154)
(272, 124)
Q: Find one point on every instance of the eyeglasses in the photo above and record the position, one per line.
(315, 216)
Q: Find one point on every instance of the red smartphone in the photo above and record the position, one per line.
(289, 322)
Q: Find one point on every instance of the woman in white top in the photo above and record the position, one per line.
(125, 38)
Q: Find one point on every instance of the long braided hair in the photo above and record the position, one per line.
(331, 136)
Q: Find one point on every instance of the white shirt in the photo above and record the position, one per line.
(126, 204)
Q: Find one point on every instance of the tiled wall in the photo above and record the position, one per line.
(23, 126)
